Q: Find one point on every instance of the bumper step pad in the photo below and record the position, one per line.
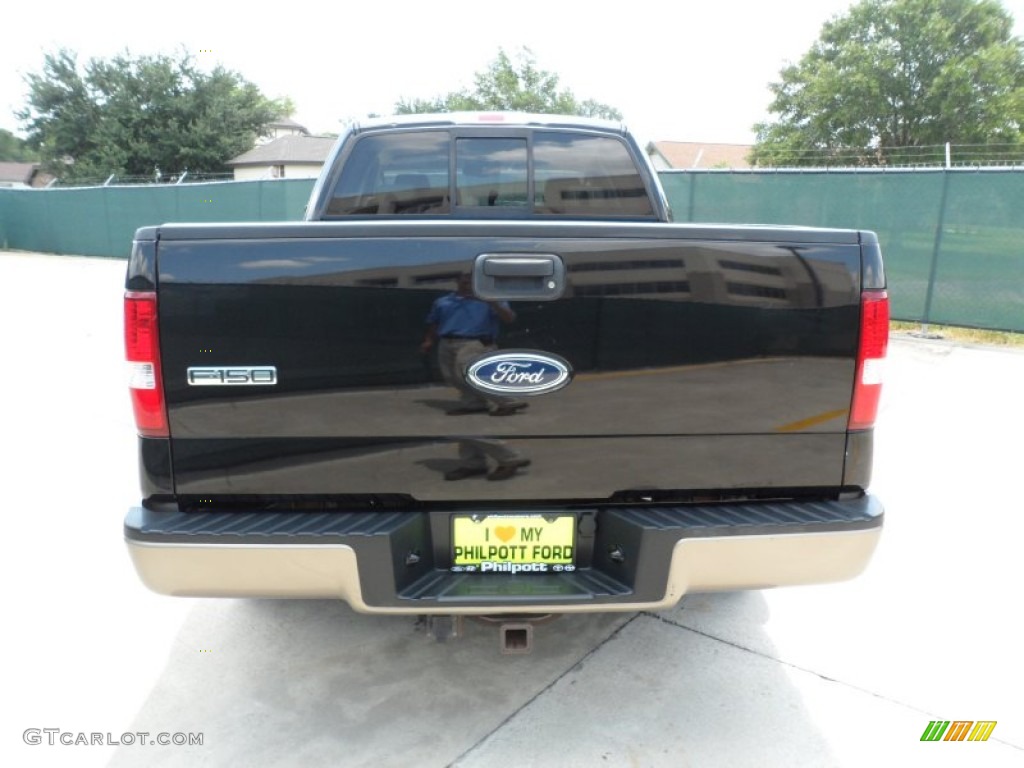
(404, 557)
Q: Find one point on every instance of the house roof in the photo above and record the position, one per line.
(20, 173)
(287, 122)
(286, 150)
(694, 154)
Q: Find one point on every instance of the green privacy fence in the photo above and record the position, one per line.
(100, 221)
(953, 239)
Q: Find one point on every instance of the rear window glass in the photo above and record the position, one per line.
(490, 172)
(401, 173)
(586, 176)
(574, 175)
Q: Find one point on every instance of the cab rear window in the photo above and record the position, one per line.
(404, 173)
(430, 173)
(584, 175)
(491, 172)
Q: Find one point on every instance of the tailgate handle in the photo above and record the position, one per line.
(518, 267)
(518, 276)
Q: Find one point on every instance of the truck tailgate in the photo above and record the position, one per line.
(704, 358)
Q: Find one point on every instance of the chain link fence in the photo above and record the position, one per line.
(185, 177)
(953, 239)
(100, 221)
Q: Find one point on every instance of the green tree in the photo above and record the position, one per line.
(517, 86)
(15, 150)
(896, 74)
(129, 116)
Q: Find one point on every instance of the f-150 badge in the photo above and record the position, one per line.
(232, 376)
(517, 372)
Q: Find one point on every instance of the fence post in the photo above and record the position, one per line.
(935, 250)
(107, 209)
(693, 194)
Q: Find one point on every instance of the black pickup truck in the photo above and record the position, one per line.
(489, 375)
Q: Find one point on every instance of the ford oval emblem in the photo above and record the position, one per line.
(518, 372)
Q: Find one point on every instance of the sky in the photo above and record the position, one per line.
(680, 71)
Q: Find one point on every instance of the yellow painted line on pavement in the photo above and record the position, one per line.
(812, 421)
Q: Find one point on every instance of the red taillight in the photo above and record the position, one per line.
(874, 341)
(142, 351)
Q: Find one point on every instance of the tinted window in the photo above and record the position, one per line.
(404, 173)
(578, 175)
(491, 172)
(408, 173)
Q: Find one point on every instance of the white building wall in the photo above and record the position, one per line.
(291, 171)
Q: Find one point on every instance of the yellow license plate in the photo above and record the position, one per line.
(513, 543)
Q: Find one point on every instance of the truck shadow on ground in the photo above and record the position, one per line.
(289, 682)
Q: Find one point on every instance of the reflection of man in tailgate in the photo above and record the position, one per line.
(467, 328)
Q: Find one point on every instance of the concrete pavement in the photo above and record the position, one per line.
(846, 674)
